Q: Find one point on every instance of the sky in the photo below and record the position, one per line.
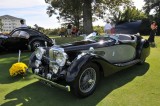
(34, 12)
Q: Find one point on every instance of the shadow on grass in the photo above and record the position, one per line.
(5, 65)
(41, 95)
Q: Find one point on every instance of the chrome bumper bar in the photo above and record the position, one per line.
(48, 82)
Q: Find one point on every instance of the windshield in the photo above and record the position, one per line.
(93, 37)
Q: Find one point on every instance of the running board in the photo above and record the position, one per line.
(128, 63)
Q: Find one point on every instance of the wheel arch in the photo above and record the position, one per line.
(35, 39)
(100, 67)
(77, 64)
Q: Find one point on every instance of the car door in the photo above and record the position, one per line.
(15, 42)
(118, 53)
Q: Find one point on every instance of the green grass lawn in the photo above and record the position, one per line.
(135, 86)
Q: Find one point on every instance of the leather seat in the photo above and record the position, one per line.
(127, 38)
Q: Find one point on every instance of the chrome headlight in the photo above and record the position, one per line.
(58, 55)
(39, 53)
(61, 58)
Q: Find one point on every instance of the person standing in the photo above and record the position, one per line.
(23, 23)
(152, 33)
(107, 28)
(74, 31)
(113, 28)
(62, 32)
(23, 34)
(69, 29)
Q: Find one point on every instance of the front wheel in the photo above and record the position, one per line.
(86, 80)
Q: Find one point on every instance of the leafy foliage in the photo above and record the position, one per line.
(132, 14)
(54, 32)
(66, 10)
(128, 14)
(51, 31)
(152, 4)
(99, 29)
(155, 6)
(76, 11)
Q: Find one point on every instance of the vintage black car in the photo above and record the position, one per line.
(81, 64)
(24, 39)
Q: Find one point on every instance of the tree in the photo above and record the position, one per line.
(85, 8)
(152, 4)
(99, 8)
(126, 13)
(70, 12)
(87, 16)
(41, 29)
(114, 15)
(131, 13)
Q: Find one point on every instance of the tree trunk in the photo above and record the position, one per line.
(76, 21)
(87, 16)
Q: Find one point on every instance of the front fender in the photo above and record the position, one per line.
(76, 66)
(32, 59)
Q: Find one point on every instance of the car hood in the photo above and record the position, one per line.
(128, 27)
(86, 44)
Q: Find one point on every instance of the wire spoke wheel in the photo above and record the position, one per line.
(87, 80)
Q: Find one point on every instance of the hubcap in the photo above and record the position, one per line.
(36, 44)
(87, 80)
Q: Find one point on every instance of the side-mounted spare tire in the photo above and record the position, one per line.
(86, 81)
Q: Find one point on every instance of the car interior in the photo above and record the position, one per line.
(127, 38)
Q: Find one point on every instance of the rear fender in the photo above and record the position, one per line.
(144, 49)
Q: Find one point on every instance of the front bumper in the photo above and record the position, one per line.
(50, 83)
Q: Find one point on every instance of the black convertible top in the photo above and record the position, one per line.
(128, 27)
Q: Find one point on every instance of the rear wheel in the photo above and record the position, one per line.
(86, 81)
(36, 44)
